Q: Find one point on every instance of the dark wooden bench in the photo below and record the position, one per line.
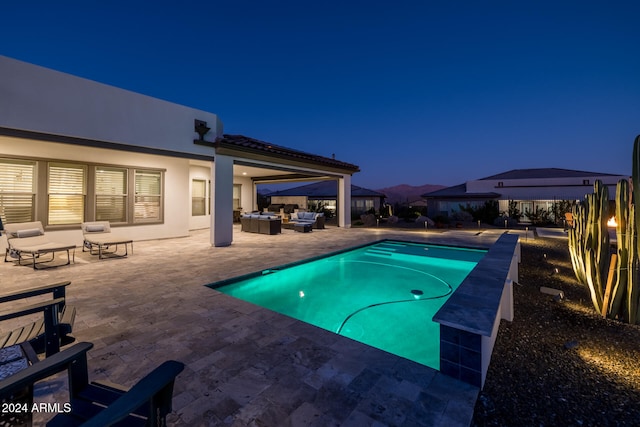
(48, 333)
(147, 403)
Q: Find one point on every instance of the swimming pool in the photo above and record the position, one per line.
(384, 294)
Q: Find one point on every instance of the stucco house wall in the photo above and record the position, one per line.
(38, 99)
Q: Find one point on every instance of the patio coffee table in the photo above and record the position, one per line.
(302, 228)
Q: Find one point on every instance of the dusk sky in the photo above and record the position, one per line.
(413, 92)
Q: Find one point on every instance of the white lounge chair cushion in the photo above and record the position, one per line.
(29, 232)
(95, 228)
(36, 244)
(13, 229)
(107, 238)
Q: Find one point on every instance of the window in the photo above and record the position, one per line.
(66, 190)
(360, 206)
(585, 182)
(500, 184)
(17, 192)
(111, 194)
(236, 196)
(63, 193)
(148, 198)
(198, 197)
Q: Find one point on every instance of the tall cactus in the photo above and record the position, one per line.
(597, 254)
(577, 236)
(589, 245)
(622, 237)
(634, 256)
(633, 280)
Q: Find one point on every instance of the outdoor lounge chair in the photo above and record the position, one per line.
(97, 403)
(99, 240)
(46, 334)
(26, 241)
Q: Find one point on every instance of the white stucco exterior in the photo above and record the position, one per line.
(38, 99)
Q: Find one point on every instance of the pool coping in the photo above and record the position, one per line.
(470, 318)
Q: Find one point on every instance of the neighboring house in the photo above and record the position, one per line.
(531, 189)
(326, 192)
(74, 150)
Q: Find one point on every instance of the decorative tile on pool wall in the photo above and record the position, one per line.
(461, 355)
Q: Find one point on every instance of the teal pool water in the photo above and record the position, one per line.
(383, 295)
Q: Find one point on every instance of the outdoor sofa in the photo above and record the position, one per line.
(316, 219)
(26, 241)
(261, 223)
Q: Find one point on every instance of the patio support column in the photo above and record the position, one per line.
(344, 201)
(254, 196)
(222, 201)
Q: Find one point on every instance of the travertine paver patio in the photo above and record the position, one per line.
(245, 365)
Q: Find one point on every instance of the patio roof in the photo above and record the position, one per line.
(247, 147)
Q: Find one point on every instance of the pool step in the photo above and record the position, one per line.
(379, 252)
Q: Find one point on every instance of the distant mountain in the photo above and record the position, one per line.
(404, 193)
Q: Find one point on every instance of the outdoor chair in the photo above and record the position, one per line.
(49, 332)
(26, 241)
(97, 403)
(100, 240)
(568, 218)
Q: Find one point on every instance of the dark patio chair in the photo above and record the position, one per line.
(147, 403)
(46, 334)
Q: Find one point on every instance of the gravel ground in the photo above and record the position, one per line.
(559, 363)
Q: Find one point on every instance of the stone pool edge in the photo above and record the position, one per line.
(469, 320)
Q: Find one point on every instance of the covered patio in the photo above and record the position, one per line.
(245, 365)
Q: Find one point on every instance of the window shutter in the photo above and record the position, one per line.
(148, 197)
(198, 197)
(16, 191)
(111, 194)
(66, 185)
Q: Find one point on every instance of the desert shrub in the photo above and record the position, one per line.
(441, 219)
(408, 214)
(539, 216)
(559, 208)
(461, 216)
(486, 213)
(514, 212)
